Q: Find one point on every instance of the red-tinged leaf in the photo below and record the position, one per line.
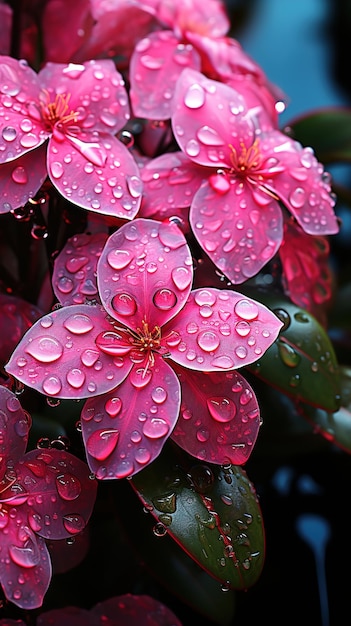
(61, 492)
(74, 275)
(302, 361)
(125, 430)
(59, 357)
(211, 512)
(219, 418)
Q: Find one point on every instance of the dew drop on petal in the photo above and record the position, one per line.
(78, 324)
(89, 357)
(181, 277)
(56, 169)
(28, 556)
(155, 428)
(124, 304)
(221, 409)
(208, 340)
(52, 385)
(159, 395)
(142, 456)
(140, 377)
(209, 136)
(45, 349)
(101, 443)
(164, 299)
(73, 523)
(119, 259)
(68, 486)
(113, 406)
(242, 328)
(19, 175)
(75, 377)
(223, 362)
(195, 96)
(134, 185)
(246, 309)
(9, 133)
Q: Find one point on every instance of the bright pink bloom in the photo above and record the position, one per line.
(28, 516)
(67, 115)
(120, 355)
(235, 213)
(159, 58)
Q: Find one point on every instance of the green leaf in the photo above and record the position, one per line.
(301, 362)
(211, 511)
(335, 427)
(327, 131)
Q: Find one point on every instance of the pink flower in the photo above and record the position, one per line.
(159, 58)
(127, 356)
(44, 494)
(235, 212)
(62, 122)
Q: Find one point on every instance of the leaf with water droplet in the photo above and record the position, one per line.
(328, 131)
(221, 528)
(302, 361)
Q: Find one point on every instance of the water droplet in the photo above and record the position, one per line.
(19, 175)
(209, 136)
(73, 523)
(119, 259)
(181, 277)
(221, 409)
(246, 309)
(75, 377)
(298, 197)
(27, 556)
(9, 133)
(159, 530)
(52, 385)
(165, 503)
(56, 169)
(89, 357)
(242, 328)
(223, 362)
(140, 377)
(164, 299)
(78, 324)
(192, 148)
(101, 443)
(113, 406)
(155, 428)
(135, 186)
(208, 340)
(195, 96)
(284, 317)
(68, 486)
(159, 395)
(288, 354)
(45, 349)
(202, 478)
(124, 304)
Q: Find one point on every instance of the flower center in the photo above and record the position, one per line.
(140, 344)
(247, 160)
(146, 341)
(57, 110)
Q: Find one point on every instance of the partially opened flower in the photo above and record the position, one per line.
(44, 494)
(236, 212)
(120, 355)
(62, 123)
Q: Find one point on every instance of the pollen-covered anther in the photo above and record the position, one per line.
(146, 340)
(248, 159)
(56, 111)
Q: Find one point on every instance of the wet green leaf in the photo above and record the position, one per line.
(328, 131)
(335, 427)
(302, 361)
(211, 511)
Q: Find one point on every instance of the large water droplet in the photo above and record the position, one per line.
(181, 277)
(68, 486)
(101, 443)
(113, 406)
(124, 304)
(209, 136)
(208, 340)
(221, 409)
(288, 354)
(140, 377)
(78, 324)
(45, 349)
(19, 175)
(155, 428)
(119, 259)
(75, 377)
(27, 556)
(164, 299)
(73, 523)
(246, 309)
(195, 96)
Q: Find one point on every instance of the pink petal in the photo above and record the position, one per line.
(133, 610)
(238, 234)
(25, 567)
(155, 66)
(19, 93)
(208, 18)
(126, 429)
(208, 117)
(170, 181)
(307, 275)
(74, 274)
(16, 316)
(145, 273)
(96, 172)
(97, 93)
(61, 43)
(58, 355)
(22, 178)
(220, 330)
(302, 186)
(61, 492)
(219, 418)
(14, 430)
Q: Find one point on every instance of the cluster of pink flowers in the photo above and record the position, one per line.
(166, 134)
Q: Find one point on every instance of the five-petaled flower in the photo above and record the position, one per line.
(62, 123)
(129, 356)
(235, 205)
(44, 494)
